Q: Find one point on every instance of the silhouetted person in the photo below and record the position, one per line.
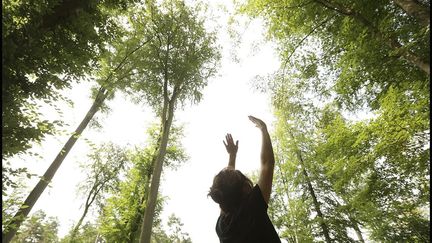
(243, 217)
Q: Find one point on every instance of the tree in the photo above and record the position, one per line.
(46, 47)
(109, 74)
(355, 49)
(87, 233)
(339, 59)
(416, 9)
(359, 171)
(296, 147)
(174, 234)
(382, 172)
(39, 228)
(106, 164)
(122, 214)
(178, 61)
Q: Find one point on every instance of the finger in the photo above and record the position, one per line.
(224, 143)
(237, 143)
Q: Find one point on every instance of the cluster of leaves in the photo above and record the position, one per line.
(178, 50)
(174, 232)
(122, 213)
(38, 228)
(336, 174)
(355, 48)
(46, 47)
(370, 176)
(87, 233)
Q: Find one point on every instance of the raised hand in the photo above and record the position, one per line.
(258, 123)
(267, 160)
(229, 145)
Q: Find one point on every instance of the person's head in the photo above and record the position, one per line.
(229, 188)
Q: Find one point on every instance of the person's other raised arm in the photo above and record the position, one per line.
(267, 160)
(232, 150)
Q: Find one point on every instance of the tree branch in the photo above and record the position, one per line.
(391, 42)
(416, 10)
(304, 38)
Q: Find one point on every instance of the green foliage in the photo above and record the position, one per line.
(361, 48)
(339, 59)
(174, 234)
(381, 167)
(175, 152)
(11, 201)
(180, 51)
(105, 165)
(361, 171)
(121, 214)
(38, 228)
(87, 233)
(46, 47)
(105, 170)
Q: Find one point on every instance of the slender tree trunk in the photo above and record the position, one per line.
(137, 221)
(415, 9)
(146, 227)
(75, 230)
(393, 43)
(315, 202)
(34, 195)
(89, 201)
(313, 195)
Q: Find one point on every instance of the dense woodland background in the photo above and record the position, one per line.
(351, 102)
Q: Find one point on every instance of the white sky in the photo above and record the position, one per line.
(227, 101)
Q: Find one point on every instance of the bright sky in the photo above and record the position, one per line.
(227, 101)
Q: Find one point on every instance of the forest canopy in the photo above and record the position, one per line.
(350, 100)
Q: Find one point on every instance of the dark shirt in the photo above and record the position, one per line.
(250, 223)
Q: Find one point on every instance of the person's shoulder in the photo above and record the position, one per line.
(257, 197)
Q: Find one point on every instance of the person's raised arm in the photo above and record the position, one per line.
(267, 160)
(232, 150)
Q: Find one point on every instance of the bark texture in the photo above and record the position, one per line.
(415, 9)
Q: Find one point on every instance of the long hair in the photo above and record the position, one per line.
(229, 188)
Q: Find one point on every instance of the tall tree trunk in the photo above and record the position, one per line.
(393, 43)
(138, 218)
(415, 9)
(313, 195)
(167, 117)
(15, 223)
